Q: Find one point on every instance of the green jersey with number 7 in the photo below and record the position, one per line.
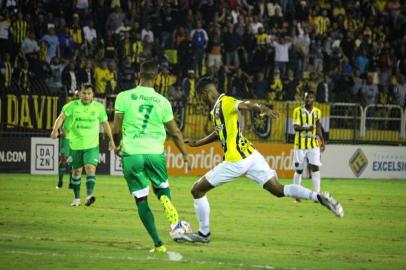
(145, 112)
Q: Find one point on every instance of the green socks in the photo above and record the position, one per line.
(90, 182)
(76, 185)
(147, 219)
(61, 172)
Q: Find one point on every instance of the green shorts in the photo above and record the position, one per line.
(139, 169)
(64, 149)
(84, 157)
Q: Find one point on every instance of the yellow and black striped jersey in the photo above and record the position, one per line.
(225, 117)
(305, 118)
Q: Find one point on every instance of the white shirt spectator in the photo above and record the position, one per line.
(73, 82)
(149, 33)
(281, 51)
(29, 46)
(4, 29)
(255, 26)
(82, 4)
(90, 33)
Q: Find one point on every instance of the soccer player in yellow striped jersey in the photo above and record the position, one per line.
(309, 141)
(240, 158)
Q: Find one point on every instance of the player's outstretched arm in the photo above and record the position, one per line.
(206, 140)
(57, 125)
(174, 131)
(256, 107)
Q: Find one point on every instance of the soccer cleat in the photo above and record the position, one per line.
(170, 210)
(196, 237)
(328, 201)
(59, 185)
(297, 200)
(160, 249)
(75, 202)
(90, 200)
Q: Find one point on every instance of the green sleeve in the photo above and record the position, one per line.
(102, 114)
(67, 109)
(119, 104)
(167, 112)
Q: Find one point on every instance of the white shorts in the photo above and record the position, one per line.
(312, 155)
(254, 167)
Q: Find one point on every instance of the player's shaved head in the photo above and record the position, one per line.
(149, 70)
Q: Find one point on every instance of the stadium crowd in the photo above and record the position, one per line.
(345, 51)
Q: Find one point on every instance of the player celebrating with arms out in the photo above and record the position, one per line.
(140, 120)
(306, 122)
(240, 158)
(85, 116)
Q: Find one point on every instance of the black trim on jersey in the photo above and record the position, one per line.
(249, 151)
(307, 137)
(301, 125)
(313, 139)
(237, 139)
(223, 122)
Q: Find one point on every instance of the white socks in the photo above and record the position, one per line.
(297, 178)
(202, 208)
(300, 192)
(316, 181)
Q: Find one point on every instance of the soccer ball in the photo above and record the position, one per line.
(180, 228)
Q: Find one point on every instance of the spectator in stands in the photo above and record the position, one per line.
(260, 86)
(90, 36)
(24, 78)
(238, 85)
(231, 41)
(6, 69)
(369, 92)
(101, 76)
(29, 45)
(164, 79)
(324, 92)
(69, 79)
(52, 43)
(214, 47)
(276, 92)
(199, 40)
(85, 73)
(147, 35)
(126, 75)
(5, 41)
(398, 88)
(188, 86)
(111, 86)
(290, 84)
(66, 44)
(54, 82)
(19, 31)
(115, 19)
(282, 46)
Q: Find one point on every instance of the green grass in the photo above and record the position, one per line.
(250, 228)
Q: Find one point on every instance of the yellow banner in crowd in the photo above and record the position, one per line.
(279, 157)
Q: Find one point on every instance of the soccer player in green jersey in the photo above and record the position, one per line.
(140, 120)
(85, 116)
(65, 159)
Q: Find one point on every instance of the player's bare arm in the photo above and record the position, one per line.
(58, 125)
(320, 135)
(256, 107)
(117, 128)
(206, 140)
(173, 129)
(107, 129)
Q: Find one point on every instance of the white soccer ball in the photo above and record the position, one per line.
(181, 228)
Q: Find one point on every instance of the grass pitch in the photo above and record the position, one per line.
(250, 228)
